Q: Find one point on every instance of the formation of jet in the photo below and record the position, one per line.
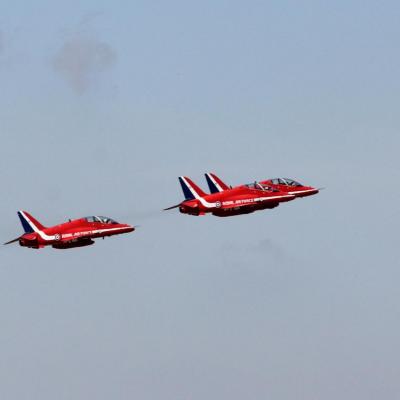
(222, 201)
(226, 201)
(75, 233)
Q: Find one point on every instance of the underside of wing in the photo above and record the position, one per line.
(72, 243)
(228, 210)
(237, 205)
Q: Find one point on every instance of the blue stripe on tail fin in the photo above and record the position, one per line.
(186, 191)
(215, 184)
(29, 223)
(213, 188)
(25, 224)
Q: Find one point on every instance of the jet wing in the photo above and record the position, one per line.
(248, 202)
(75, 236)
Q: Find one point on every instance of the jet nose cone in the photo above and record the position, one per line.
(129, 228)
(125, 228)
(312, 191)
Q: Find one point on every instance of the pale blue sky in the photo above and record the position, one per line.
(102, 106)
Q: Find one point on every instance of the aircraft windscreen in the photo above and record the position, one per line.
(100, 219)
(285, 181)
(107, 220)
(259, 186)
(291, 182)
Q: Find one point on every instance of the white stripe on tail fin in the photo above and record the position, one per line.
(29, 223)
(190, 190)
(215, 184)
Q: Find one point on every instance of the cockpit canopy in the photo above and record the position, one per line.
(100, 219)
(285, 181)
(261, 186)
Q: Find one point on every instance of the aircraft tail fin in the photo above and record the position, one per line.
(215, 184)
(29, 223)
(190, 190)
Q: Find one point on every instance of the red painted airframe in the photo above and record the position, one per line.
(228, 202)
(75, 233)
(285, 185)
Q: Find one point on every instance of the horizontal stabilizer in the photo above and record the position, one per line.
(170, 208)
(12, 241)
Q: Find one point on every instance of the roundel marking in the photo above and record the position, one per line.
(57, 236)
(218, 204)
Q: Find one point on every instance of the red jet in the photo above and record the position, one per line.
(285, 185)
(228, 202)
(76, 233)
